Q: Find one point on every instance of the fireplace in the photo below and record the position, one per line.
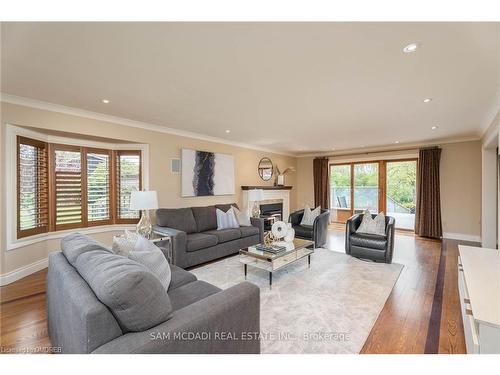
(271, 212)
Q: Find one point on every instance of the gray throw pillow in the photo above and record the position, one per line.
(135, 296)
(148, 254)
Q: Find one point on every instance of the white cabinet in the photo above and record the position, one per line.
(479, 290)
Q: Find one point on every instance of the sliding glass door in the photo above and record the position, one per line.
(366, 182)
(379, 186)
(340, 192)
(401, 192)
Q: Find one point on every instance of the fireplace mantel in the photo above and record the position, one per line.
(271, 194)
(267, 187)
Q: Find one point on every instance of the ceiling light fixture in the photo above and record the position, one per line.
(410, 48)
(228, 131)
(434, 127)
(427, 100)
(396, 142)
(105, 101)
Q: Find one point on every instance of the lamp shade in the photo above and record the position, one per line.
(255, 195)
(143, 200)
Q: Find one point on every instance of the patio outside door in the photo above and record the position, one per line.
(380, 186)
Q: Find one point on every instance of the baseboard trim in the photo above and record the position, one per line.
(19, 273)
(462, 237)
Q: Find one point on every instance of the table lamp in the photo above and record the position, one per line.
(255, 196)
(144, 201)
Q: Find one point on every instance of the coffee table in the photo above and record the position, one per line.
(271, 262)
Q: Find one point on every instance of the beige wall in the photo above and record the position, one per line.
(460, 184)
(162, 147)
(461, 188)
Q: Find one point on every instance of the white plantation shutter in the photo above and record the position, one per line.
(98, 186)
(32, 187)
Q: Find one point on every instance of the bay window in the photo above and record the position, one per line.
(65, 187)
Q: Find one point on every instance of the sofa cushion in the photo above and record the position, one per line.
(225, 235)
(135, 296)
(205, 218)
(248, 231)
(372, 241)
(180, 277)
(197, 241)
(190, 293)
(225, 207)
(177, 218)
(75, 244)
(305, 231)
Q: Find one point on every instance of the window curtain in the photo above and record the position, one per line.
(428, 212)
(321, 185)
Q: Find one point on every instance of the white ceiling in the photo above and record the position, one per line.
(291, 87)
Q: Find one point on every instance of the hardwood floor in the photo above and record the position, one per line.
(414, 305)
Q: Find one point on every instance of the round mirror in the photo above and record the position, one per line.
(265, 169)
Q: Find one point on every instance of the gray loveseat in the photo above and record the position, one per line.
(195, 238)
(100, 302)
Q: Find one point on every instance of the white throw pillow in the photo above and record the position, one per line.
(242, 217)
(309, 216)
(226, 220)
(148, 254)
(371, 225)
(122, 245)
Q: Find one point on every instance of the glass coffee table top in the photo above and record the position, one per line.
(271, 262)
(295, 245)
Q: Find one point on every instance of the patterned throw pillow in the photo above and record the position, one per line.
(122, 245)
(226, 220)
(242, 217)
(309, 216)
(371, 225)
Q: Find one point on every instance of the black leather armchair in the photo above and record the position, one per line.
(316, 233)
(370, 246)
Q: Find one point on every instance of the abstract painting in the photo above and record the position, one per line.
(206, 173)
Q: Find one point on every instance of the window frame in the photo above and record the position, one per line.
(23, 233)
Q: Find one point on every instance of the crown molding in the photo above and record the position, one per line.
(38, 104)
(390, 148)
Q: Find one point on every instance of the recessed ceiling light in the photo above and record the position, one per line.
(427, 100)
(105, 101)
(228, 131)
(434, 127)
(396, 142)
(410, 48)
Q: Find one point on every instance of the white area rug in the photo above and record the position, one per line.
(328, 308)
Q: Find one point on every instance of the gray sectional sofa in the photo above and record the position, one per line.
(101, 302)
(195, 238)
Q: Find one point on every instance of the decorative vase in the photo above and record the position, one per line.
(279, 229)
(281, 180)
(290, 233)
